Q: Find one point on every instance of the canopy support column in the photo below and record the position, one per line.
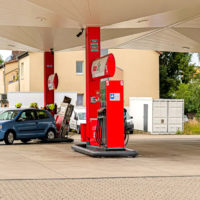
(93, 50)
(48, 70)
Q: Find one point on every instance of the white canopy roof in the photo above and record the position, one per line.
(162, 25)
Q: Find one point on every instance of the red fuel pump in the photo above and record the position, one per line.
(110, 133)
(106, 136)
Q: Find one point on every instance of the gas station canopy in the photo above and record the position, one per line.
(162, 25)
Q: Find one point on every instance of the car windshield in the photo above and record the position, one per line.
(9, 115)
(127, 116)
(82, 116)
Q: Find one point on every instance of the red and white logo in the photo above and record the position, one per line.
(94, 68)
(53, 82)
(103, 67)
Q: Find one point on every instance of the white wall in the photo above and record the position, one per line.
(136, 110)
(4, 109)
(26, 98)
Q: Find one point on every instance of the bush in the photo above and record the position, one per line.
(197, 117)
(178, 132)
(192, 128)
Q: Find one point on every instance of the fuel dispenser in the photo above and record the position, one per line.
(106, 137)
(109, 135)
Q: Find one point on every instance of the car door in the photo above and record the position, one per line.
(74, 121)
(26, 125)
(71, 121)
(43, 123)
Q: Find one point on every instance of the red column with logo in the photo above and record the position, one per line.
(93, 51)
(48, 70)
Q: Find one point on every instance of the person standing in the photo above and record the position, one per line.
(18, 105)
(34, 105)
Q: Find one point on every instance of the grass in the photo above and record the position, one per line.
(191, 128)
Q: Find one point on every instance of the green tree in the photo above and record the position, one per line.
(184, 92)
(175, 68)
(195, 90)
(1, 60)
(191, 94)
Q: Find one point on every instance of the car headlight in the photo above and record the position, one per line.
(0, 126)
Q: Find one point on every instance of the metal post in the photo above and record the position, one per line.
(48, 70)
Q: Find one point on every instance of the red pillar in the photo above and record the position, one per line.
(93, 49)
(48, 70)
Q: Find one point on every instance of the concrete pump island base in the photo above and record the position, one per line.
(104, 133)
(99, 152)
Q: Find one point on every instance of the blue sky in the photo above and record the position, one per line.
(195, 59)
(5, 54)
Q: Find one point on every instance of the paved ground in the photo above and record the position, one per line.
(168, 167)
(174, 188)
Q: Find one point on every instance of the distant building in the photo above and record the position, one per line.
(138, 68)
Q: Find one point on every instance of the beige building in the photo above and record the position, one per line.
(2, 80)
(138, 68)
(11, 76)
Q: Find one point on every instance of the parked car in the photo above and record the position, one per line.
(185, 118)
(26, 124)
(78, 117)
(129, 122)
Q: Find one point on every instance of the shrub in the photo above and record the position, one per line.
(192, 128)
(178, 132)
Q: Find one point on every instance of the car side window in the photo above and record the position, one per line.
(127, 116)
(42, 115)
(27, 115)
(4, 116)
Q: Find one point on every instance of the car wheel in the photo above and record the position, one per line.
(131, 132)
(25, 140)
(9, 138)
(78, 130)
(50, 135)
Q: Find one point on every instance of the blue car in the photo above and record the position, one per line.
(26, 124)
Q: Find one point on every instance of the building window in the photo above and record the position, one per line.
(79, 67)
(13, 77)
(79, 100)
(22, 70)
